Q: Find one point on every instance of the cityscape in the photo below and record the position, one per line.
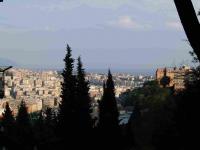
(42, 89)
(99, 74)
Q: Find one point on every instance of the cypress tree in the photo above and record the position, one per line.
(67, 110)
(83, 99)
(8, 120)
(83, 109)
(49, 122)
(40, 121)
(68, 90)
(23, 118)
(24, 128)
(49, 131)
(39, 128)
(9, 127)
(108, 111)
(108, 117)
(49, 116)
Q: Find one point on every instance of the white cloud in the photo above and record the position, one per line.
(127, 22)
(175, 25)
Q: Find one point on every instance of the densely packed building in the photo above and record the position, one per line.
(123, 82)
(41, 89)
(177, 76)
(37, 89)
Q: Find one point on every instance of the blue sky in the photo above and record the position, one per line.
(124, 34)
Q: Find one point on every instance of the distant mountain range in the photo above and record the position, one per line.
(133, 71)
(8, 62)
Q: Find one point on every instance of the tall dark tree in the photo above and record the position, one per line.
(9, 127)
(108, 116)
(8, 120)
(67, 109)
(49, 122)
(39, 129)
(49, 130)
(188, 100)
(82, 103)
(24, 127)
(152, 123)
(48, 116)
(188, 111)
(108, 111)
(23, 118)
(83, 99)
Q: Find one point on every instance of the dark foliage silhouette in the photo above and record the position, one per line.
(8, 120)
(108, 112)
(74, 119)
(152, 124)
(83, 99)
(67, 114)
(83, 108)
(188, 111)
(188, 99)
(108, 124)
(24, 127)
(8, 127)
(39, 127)
(70, 127)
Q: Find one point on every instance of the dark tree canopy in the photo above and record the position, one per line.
(83, 98)
(23, 118)
(188, 111)
(188, 99)
(8, 118)
(66, 114)
(108, 124)
(152, 123)
(74, 120)
(24, 127)
(108, 111)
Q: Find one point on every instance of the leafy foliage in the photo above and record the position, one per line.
(149, 96)
(83, 99)
(24, 127)
(108, 117)
(67, 107)
(188, 111)
(153, 117)
(108, 112)
(8, 120)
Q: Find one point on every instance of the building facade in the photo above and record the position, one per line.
(177, 76)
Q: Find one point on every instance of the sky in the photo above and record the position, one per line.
(116, 34)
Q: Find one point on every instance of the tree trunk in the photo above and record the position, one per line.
(190, 23)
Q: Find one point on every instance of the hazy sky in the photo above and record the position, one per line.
(124, 34)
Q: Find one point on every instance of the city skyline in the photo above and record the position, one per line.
(126, 34)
